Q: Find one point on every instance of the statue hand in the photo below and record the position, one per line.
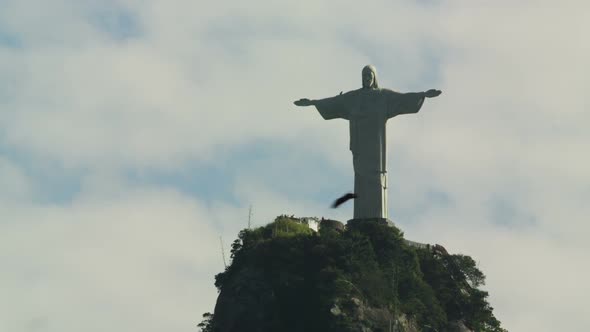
(432, 93)
(303, 102)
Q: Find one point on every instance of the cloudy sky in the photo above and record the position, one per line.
(133, 134)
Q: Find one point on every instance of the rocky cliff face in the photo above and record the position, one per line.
(286, 277)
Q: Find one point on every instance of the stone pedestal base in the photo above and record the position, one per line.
(387, 221)
(390, 223)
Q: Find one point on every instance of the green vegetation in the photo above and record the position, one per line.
(285, 277)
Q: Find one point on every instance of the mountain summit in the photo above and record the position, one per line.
(365, 277)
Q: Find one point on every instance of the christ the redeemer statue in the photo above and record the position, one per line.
(367, 110)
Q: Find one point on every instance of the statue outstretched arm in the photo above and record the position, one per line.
(410, 102)
(304, 102)
(426, 94)
(329, 108)
(432, 93)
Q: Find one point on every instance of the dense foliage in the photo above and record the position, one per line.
(286, 277)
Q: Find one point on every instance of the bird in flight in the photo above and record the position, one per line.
(343, 199)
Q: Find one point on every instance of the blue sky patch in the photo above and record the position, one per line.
(119, 24)
(295, 173)
(53, 184)
(9, 40)
(504, 212)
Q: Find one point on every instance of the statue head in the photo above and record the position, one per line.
(370, 77)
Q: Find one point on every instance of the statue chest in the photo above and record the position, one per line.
(369, 109)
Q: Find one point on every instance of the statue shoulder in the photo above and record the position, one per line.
(390, 92)
(347, 96)
(351, 93)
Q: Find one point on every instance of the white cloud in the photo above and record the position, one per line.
(143, 259)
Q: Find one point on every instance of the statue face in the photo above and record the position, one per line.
(368, 78)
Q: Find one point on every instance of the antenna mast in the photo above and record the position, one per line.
(249, 216)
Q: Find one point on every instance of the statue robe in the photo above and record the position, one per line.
(367, 111)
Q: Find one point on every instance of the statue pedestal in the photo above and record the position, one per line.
(387, 221)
